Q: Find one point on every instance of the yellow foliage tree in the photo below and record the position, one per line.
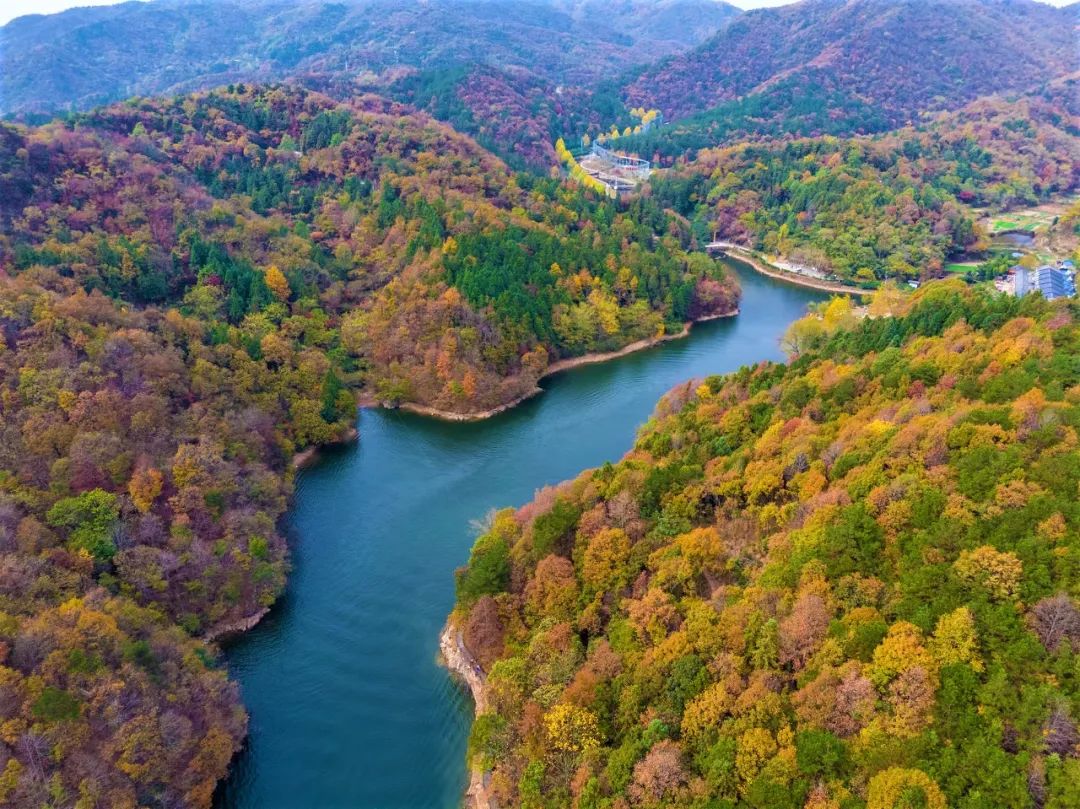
(888, 788)
(839, 313)
(755, 747)
(144, 488)
(901, 649)
(607, 310)
(572, 729)
(888, 300)
(802, 335)
(279, 285)
(9, 779)
(999, 572)
(705, 711)
(955, 640)
(605, 560)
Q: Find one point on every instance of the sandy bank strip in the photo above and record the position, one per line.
(462, 664)
(555, 367)
(742, 254)
(475, 415)
(639, 345)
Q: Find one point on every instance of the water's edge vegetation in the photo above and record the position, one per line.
(197, 291)
(423, 481)
(827, 583)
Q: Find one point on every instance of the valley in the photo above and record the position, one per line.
(404, 497)
(306, 305)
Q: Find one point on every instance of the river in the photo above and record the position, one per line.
(348, 706)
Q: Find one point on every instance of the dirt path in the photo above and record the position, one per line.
(461, 662)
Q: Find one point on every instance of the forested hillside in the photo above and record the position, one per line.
(832, 66)
(517, 76)
(851, 581)
(194, 290)
(87, 56)
(890, 206)
(433, 273)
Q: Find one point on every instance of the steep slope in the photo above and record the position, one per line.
(659, 25)
(88, 56)
(850, 581)
(512, 112)
(874, 62)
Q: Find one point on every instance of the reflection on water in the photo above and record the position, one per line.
(1018, 238)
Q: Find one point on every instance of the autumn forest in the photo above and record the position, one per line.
(848, 581)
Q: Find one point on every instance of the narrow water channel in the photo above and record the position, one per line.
(348, 707)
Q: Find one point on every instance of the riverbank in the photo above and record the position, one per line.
(306, 456)
(237, 627)
(344, 694)
(749, 257)
(474, 415)
(456, 657)
(554, 368)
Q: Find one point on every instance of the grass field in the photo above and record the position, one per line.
(1007, 224)
(1030, 220)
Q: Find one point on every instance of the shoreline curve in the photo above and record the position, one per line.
(556, 367)
(747, 256)
(306, 456)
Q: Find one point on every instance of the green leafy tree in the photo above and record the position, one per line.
(90, 519)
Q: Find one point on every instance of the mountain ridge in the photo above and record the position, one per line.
(180, 45)
(902, 57)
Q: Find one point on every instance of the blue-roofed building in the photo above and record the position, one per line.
(1052, 282)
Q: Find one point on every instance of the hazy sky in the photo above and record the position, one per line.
(10, 9)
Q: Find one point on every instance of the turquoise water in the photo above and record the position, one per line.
(348, 706)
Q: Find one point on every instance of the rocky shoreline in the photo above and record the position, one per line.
(456, 657)
(237, 627)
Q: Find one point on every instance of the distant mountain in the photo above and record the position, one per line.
(888, 59)
(87, 56)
